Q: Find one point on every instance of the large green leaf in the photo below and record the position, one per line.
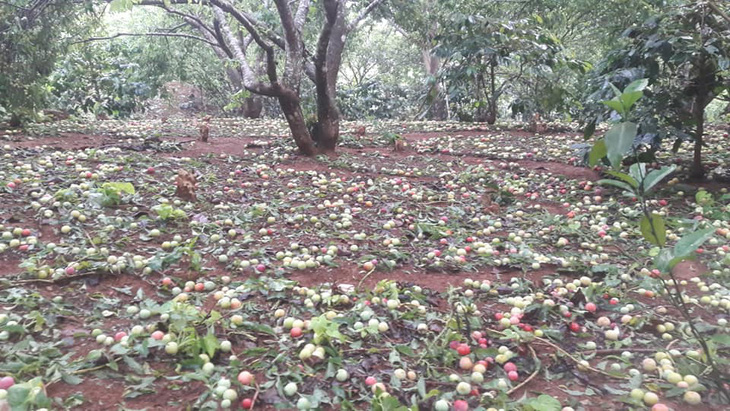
(619, 140)
(620, 184)
(629, 99)
(638, 171)
(18, 396)
(663, 260)
(654, 230)
(630, 180)
(210, 344)
(616, 105)
(637, 85)
(688, 244)
(655, 177)
(597, 153)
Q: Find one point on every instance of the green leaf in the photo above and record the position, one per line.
(666, 260)
(120, 187)
(637, 85)
(326, 328)
(616, 105)
(625, 177)
(620, 184)
(655, 177)
(394, 358)
(638, 171)
(616, 91)
(703, 198)
(654, 230)
(421, 386)
(688, 244)
(619, 140)
(210, 344)
(598, 152)
(405, 350)
(113, 365)
(71, 379)
(629, 99)
(721, 339)
(544, 402)
(133, 364)
(17, 396)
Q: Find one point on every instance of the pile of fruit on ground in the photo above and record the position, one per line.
(478, 269)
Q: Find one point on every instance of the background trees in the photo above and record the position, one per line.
(483, 58)
(314, 62)
(683, 52)
(235, 29)
(33, 34)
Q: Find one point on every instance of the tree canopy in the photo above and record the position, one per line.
(317, 62)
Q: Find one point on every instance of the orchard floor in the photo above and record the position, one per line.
(469, 226)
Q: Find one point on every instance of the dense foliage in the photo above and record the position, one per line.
(476, 60)
(484, 58)
(33, 35)
(683, 52)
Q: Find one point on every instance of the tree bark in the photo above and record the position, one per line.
(252, 107)
(432, 64)
(292, 109)
(335, 48)
(703, 96)
(327, 129)
(492, 112)
(697, 171)
(324, 70)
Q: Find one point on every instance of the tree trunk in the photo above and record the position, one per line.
(252, 107)
(335, 48)
(327, 135)
(292, 109)
(703, 93)
(432, 64)
(15, 120)
(697, 171)
(491, 116)
(327, 130)
(492, 107)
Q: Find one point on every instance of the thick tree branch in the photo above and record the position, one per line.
(320, 58)
(182, 35)
(245, 21)
(325, 99)
(294, 62)
(219, 7)
(287, 22)
(301, 16)
(219, 37)
(249, 77)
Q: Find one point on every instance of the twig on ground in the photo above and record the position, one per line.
(533, 375)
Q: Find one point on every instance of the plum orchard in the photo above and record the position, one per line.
(231, 296)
